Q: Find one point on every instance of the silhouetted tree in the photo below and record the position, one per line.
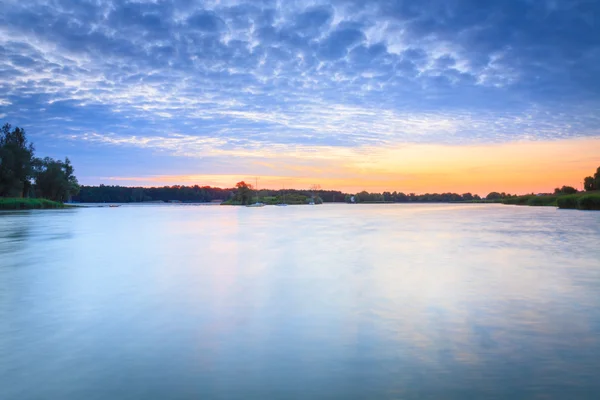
(55, 180)
(565, 190)
(592, 182)
(243, 193)
(16, 162)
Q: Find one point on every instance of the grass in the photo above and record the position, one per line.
(589, 202)
(579, 201)
(11, 203)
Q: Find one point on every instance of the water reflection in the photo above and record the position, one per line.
(441, 301)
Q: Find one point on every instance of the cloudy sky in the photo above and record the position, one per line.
(429, 95)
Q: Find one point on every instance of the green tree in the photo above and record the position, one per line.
(243, 193)
(589, 184)
(55, 179)
(565, 190)
(16, 162)
(467, 196)
(592, 182)
(493, 196)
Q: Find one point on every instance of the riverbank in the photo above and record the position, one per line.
(579, 201)
(11, 203)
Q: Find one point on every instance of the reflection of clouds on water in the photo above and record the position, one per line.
(408, 301)
(481, 295)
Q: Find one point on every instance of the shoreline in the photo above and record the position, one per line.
(16, 203)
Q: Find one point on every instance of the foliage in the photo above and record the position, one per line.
(8, 203)
(54, 180)
(399, 197)
(467, 197)
(518, 200)
(541, 201)
(565, 190)
(16, 162)
(124, 194)
(498, 196)
(531, 200)
(591, 183)
(243, 193)
(568, 201)
(589, 202)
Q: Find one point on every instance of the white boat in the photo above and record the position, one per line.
(256, 205)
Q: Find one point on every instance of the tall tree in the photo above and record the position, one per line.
(589, 184)
(55, 179)
(592, 182)
(16, 162)
(243, 193)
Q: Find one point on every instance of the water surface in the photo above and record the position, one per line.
(331, 301)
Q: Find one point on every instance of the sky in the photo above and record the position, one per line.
(413, 96)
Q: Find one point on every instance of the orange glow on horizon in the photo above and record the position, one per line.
(520, 167)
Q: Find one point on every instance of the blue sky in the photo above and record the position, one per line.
(147, 89)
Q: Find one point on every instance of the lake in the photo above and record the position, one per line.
(444, 301)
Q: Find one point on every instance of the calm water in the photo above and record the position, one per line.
(332, 301)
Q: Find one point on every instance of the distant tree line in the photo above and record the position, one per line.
(24, 175)
(244, 193)
(125, 194)
(399, 197)
(241, 194)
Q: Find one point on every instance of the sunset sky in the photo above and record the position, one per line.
(412, 96)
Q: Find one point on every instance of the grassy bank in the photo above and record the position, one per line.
(9, 203)
(579, 201)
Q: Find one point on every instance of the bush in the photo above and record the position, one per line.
(519, 201)
(589, 202)
(541, 201)
(569, 202)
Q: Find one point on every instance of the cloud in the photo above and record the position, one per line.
(205, 21)
(248, 76)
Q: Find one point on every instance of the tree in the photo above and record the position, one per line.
(243, 193)
(72, 183)
(592, 182)
(55, 180)
(565, 190)
(16, 162)
(589, 184)
(493, 196)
